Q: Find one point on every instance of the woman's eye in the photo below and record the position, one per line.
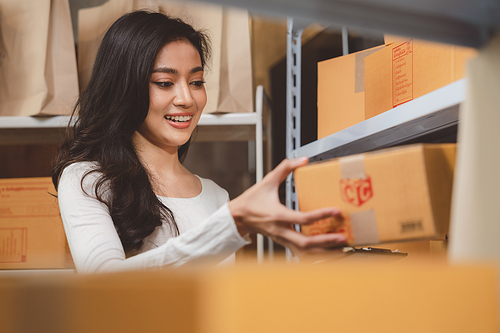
(164, 84)
(198, 83)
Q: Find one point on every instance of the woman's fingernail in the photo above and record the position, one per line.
(303, 159)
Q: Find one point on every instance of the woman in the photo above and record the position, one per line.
(126, 200)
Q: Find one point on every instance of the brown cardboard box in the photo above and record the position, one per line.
(407, 68)
(341, 97)
(258, 298)
(394, 194)
(31, 230)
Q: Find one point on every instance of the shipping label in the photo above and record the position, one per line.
(356, 191)
(27, 199)
(13, 245)
(402, 73)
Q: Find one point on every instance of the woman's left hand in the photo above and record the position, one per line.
(259, 210)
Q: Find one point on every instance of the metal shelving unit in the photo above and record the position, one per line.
(432, 117)
(35, 130)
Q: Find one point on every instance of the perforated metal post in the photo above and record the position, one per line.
(293, 103)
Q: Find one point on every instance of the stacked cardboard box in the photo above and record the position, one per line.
(361, 85)
(31, 231)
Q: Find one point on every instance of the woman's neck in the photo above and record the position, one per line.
(169, 177)
(157, 160)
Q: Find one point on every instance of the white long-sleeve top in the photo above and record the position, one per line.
(207, 229)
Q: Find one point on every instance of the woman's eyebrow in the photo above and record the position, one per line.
(196, 69)
(169, 70)
(165, 70)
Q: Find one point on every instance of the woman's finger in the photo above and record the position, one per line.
(286, 166)
(298, 217)
(294, 239)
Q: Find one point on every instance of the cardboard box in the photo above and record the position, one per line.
(258, 298)
(394, 194)
(407, 68)
(341, 97)
(31, 230)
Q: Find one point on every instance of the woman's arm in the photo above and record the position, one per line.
(96, 247)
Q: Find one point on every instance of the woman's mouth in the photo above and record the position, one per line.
(179, 119)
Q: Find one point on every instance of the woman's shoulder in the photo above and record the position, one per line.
(80, 166)
(72, 175)
(78, 169)
(211, 188)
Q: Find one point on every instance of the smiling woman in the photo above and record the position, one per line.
(176, 97)
(126, 200)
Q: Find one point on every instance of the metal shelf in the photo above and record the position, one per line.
(460, 22)
(36, 272)
(46, 130)
(433, 114)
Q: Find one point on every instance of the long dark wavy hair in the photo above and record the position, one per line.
(111, 108)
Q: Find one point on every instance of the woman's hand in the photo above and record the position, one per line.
(259, 210)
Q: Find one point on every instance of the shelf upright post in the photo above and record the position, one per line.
(293, 104)
(345, 41)
(259, 161)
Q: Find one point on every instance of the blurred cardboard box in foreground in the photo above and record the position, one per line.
(257, 298)
(31, 231)
(396, 194)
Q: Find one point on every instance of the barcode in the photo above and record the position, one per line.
(411, 226)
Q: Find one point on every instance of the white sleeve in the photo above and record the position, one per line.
(96, 247)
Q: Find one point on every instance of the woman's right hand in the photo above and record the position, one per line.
(259, 210)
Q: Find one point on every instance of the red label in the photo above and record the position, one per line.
(13, 245)
(356, 191)
(402, 73)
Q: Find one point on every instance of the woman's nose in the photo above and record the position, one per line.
(183, 97)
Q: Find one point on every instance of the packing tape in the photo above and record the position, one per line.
(352, 167)
(364, 227)
(359, 69)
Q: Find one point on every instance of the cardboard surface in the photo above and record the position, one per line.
(341, 102)
(395, 194)
(407, 68)
(258, 298)
(31, 230)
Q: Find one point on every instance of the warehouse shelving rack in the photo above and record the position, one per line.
(459, 22)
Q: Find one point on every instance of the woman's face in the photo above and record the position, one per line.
(176, 97)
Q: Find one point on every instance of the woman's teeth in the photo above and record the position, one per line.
(179, 119)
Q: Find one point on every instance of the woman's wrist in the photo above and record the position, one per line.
(237, 214)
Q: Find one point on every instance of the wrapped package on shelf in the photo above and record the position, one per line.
(394, 194)
(31, 230)
(229, 74)
(38, 72)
